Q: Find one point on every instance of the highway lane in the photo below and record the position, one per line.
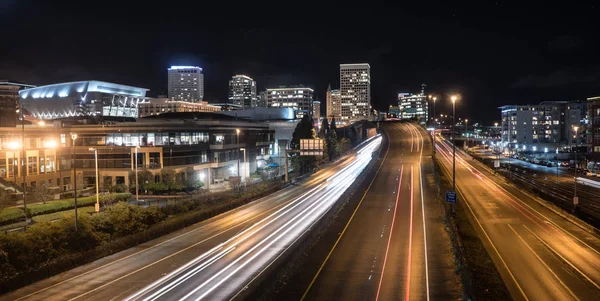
(540, 255)
(385, 252)
(214, 259)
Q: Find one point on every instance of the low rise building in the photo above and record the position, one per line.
(207, 145)
(298, 98)
(83, 98)
(156, 106)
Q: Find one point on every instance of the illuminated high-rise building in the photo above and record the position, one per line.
(186, 83)
(355, 90)
(333, 103)
(298, 98)
(242, 91)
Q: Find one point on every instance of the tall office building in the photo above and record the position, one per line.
(261, 99)
(186, 83)
(242, 91)
(413, 106)
(333, 103)
(316, 110)
(298, 98)
(355, 90)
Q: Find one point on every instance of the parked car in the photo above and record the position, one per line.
(564, 163)
(535, 161)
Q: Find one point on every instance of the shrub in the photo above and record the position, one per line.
(10, 215)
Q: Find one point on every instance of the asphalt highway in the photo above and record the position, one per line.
(395, 246)
(540, 255)
(215, 259)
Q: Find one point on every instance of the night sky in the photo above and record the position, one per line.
(491, 52)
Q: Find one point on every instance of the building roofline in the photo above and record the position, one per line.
(356, 64)
(306, 88)
(5, 82)
(184, 67)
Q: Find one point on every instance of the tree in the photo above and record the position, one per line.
(304, 130)
(42, 194)
(324, 130)
(345, 145)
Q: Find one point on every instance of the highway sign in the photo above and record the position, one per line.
(451, 196)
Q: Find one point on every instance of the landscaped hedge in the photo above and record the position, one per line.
(47, 249)
(11, 215)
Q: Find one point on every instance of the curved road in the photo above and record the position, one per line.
(540, 255)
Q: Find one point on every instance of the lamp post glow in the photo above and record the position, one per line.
(74, 137)
(97, 208)
(453, 98)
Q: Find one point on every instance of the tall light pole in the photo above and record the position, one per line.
(453, 98)
(244, 177)
(575, 199)
(137, 189)
(74, 137)
(24, 164)
(237, 134)
(434, 122)
(466, 132)
(557, 165)
(95, 150)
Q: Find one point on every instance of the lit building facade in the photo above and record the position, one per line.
(261, 99)
(413, 106)
(333, 103)
(186, 83)
(355, 90)
(204, 145)
(298, 98)
(242, 91)
(9, 102)
(84, 98)
(550, 124)
(156, 106)
(316, 110)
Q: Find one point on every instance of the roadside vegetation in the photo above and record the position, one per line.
(48, 248)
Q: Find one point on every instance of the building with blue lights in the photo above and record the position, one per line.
(186, 83)
(83, 98)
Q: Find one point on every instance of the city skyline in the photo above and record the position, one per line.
(500, 59)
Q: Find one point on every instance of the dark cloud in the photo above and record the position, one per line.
(566, 43)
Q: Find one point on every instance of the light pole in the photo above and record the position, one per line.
(557, 165)
(95, 150)
(575, 199)
(237, 142)
(434, 122)
(466, 132)
(23, 165)
(244, 150)
(137, 189)
(74, 137)
(453, 98)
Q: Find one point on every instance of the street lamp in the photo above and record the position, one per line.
(237, 142)
(453, 98)
(95, 150)
(14, 146)
(467, 132)
(244, 150)
(74, 137)
(137, 190)
(575, 199)
(434, 122)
